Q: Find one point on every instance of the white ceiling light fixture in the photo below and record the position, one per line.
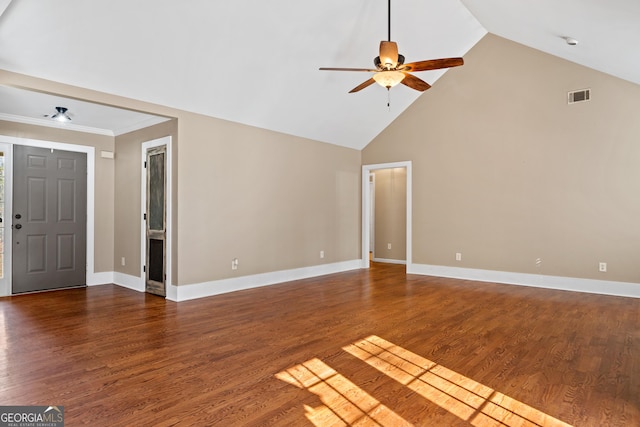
(61, 115)
(388, 78)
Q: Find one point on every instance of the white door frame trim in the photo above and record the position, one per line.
(165, 140)
(5, 282)
(91, 276)
(366, 208)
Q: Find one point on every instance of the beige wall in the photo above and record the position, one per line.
(505, 172)
(271, 200)
(390, 214)
(104, 173)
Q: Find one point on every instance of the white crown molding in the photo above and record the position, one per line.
(149, 121)
(53, 124)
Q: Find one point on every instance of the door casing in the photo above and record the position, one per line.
(93, 278)
(366, 210)
(372, 217)
(5, 281)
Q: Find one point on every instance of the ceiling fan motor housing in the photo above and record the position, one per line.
(378, 63)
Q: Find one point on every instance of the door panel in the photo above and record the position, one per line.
(66, 200)
(66, 252)
(36, 253)
(49, 222)
(37, 200)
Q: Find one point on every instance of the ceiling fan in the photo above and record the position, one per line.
(391, 70)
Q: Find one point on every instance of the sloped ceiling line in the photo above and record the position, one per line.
(256, 62)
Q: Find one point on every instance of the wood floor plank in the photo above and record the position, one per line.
(112, 356)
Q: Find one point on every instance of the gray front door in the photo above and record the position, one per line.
(49, 219)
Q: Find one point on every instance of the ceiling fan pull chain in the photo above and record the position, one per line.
(389, 99)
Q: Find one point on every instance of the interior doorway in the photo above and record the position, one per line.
(388, 215)
(367, 209)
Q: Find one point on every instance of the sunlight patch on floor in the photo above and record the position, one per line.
(463, 397)
(346, 404)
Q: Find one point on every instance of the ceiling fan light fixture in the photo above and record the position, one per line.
(388, 79)
(61, 115)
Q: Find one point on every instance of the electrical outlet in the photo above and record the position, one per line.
(388, 245)
(321, 254)
(234, 264)
(603, 267)
(538, 262)
(458, 256)
(122, 262)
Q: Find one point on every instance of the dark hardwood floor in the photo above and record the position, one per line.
(373, 347)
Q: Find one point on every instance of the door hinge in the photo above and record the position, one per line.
(144, 216)
(145, 164)
(144, 268)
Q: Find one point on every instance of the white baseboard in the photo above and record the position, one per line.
(128, 281)
(604, 287)
(216, 287)
(389, 261)
(101, 278)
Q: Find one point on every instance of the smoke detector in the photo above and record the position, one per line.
(571, 41)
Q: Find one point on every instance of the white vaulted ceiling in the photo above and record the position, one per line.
(256, 62)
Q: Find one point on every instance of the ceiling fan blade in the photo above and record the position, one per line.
(347, 69)
(414, 83)
(388, 54)
(363, 85)
(433, 64)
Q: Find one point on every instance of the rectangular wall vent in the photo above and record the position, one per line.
(581, 95)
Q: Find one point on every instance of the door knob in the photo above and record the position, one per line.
(18, 216)
(18, 226)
